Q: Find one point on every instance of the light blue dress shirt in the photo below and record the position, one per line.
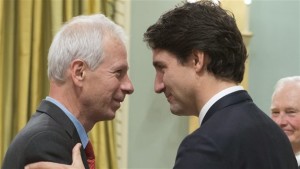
(80, 129)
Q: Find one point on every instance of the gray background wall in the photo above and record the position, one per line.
(154, 133)
(274, 48)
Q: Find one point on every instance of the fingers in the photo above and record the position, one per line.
(46, 165)
(77, 160)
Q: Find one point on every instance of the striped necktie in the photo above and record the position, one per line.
(89, 152)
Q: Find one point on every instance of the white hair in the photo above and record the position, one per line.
(286, 80)
(81, 38)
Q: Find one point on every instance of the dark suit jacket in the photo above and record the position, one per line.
(49, 136)
(236, 134)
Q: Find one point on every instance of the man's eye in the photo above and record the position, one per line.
(119, 73)
(290, 112)
(159, 67)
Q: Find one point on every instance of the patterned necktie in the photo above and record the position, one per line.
(89, 152)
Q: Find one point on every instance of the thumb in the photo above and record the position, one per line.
(77, 160)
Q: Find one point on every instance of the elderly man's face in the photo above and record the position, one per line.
(106, 87)
(285, 109)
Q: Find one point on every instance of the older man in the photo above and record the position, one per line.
(87, 70)
(285, 108)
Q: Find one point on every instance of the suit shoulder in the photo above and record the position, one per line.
(42, 139)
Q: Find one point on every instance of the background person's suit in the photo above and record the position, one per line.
(49, 136)
(236, 134)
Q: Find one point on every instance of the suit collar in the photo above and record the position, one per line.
(59, 116)
(215, 98)
(230, 99)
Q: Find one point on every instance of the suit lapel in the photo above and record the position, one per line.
(60, 117)
(230, 99)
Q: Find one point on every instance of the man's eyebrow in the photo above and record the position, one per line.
(291, 109)
(157, 63)
(274, 109)
(120, 66)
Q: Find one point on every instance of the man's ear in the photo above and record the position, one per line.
(78, 70)
(198, 60)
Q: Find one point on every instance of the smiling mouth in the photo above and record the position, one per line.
(119, 100)
(169, 97)
(288, 132)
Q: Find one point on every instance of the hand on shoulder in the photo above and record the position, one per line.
(77, 162)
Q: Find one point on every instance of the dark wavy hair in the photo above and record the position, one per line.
(201, 26)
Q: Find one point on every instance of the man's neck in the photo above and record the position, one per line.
(209, 87)
(64, 95)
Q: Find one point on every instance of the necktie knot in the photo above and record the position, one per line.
(89, 152)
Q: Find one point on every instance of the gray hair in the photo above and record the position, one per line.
(81, 38)
(286, 80)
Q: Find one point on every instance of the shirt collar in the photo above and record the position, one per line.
(80, 129)
(215, 98)
(298, 158)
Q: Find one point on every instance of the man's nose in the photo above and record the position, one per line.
(281, 119)
(128, 86)
(158, 85)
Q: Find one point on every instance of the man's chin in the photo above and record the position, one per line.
(111, 116)
(107, 117)
(177, 113)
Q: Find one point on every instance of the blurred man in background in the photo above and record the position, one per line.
(285, 110)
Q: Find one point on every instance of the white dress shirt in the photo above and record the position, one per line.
(215, 98)
(298, 158)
